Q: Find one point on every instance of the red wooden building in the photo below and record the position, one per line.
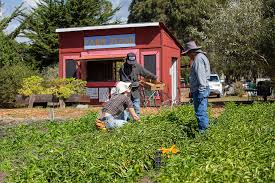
(96, 53)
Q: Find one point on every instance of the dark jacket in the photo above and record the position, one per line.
(129, 73)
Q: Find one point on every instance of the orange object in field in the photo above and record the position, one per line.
(172, 150)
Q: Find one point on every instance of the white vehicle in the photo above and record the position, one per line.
(215, 85)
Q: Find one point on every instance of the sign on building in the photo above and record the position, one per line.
(112, 41)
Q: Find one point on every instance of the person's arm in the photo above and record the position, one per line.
(145, 73)
(201, 74)
(133, 114)
(121, 76)
(129, 105)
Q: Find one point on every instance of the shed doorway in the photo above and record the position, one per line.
(103, 70)
(174, 79)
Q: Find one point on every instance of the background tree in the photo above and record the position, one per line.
(180, 16)
(237, 34)
(267, 43)
(12, 52)
(49, 15)
(233, 34)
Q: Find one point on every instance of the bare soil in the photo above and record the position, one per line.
(29, 115)
(216, 111)
(145, 180)
(2, 177)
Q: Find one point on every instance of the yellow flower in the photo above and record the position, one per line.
(164, 150)
(172, 150)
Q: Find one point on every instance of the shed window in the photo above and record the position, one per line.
(70, 69)
(150, 63)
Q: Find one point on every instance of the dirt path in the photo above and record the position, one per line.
(26, 115)
(2, 177)
(216, 111)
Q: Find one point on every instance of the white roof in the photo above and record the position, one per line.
(151, 24)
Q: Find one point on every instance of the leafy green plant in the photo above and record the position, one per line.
(238, 147)
(11, 78)
(65, 87)
(59, 87)
(32, 85)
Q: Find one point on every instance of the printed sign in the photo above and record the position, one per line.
(103, 94)
(113, 41)
(92, 93)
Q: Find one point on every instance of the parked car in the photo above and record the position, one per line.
(215, 85)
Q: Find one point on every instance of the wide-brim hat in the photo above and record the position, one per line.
(190, 46)
(122, 87)
(131, 58)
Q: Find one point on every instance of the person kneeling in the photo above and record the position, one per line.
(111, 113)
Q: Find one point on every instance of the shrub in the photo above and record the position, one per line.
(59, 87)
(238, 89)
(11, 78)
(32, 85)
(50, 72)
(65, 87)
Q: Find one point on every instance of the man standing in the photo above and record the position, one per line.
(129, 72)
(199, 75)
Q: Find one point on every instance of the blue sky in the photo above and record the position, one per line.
(9, 6)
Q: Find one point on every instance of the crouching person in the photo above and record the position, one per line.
(111, 113)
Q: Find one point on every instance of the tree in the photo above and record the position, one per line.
(49, 15)
(12, 52)
(269, 8)
(4, 23)
(233, 34)
(9, 51)
(180, 16)
(267, 43)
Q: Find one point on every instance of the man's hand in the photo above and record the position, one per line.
(133, 114)
(136, 118)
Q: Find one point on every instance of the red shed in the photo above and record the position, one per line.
(96, 53)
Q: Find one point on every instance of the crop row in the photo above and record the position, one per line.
(238, 147)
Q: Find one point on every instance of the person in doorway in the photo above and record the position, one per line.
(78, 70)
(199, 75)
(120, 101)
(129, 72)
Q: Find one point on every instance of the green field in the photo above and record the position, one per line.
(238, 147)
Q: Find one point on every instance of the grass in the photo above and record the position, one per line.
(238, 147)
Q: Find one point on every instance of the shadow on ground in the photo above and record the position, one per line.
(190, 129)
